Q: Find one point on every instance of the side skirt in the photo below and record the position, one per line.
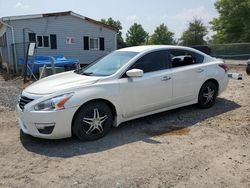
(120, 119)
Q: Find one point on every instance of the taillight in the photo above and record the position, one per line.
(224, 66)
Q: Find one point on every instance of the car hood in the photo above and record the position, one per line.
(59, 82)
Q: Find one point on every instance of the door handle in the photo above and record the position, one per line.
(200, 70)
(165, 78)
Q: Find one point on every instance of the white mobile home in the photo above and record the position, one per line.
(62, 33)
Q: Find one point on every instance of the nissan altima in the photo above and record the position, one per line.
(126, 84)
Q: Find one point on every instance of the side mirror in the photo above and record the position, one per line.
(134, 73)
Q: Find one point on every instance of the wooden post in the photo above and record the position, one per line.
(53, 65)
(42, 72)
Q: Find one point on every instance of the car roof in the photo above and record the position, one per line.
(156, 47)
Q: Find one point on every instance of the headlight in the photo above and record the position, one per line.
(56, 103)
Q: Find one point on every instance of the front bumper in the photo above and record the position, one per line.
(46, 124)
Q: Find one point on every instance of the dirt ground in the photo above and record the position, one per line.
(186, 147)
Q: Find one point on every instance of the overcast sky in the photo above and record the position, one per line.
(150, 13)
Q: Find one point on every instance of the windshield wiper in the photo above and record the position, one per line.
(78, 71)
(87, 73)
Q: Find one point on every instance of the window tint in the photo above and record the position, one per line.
(183, 58)
(153, 61)
(198, 57)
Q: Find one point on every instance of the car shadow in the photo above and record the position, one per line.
(143, 129)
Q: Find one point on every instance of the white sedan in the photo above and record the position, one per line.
(126, 84)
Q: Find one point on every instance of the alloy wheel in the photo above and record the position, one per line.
(209, 95)
(93, 121)
(94, 124)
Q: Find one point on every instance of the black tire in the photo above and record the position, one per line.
(207, 95)
(86, 124)
(248, 69)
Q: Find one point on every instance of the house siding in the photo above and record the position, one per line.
(63, 27)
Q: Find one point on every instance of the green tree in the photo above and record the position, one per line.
(195, 33)
(162, 35)
(118, 26)
(233, 23)
(136, 35)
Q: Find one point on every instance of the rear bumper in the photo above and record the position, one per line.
(48, 125)
(223, 83)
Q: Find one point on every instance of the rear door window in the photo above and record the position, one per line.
(181, 58)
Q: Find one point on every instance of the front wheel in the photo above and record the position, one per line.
(93, 121)
(207, 95)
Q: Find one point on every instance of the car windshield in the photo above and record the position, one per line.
(108, 65)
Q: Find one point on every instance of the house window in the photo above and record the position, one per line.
(94, 44)
(42, 41)
(32, 37)
(3, 41)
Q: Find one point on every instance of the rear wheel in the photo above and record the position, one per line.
(207, 95)
(248, 69)
(93, 121)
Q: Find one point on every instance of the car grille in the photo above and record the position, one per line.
(23, 101)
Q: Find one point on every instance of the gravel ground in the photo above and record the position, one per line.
(9, 94)
(186, 147)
